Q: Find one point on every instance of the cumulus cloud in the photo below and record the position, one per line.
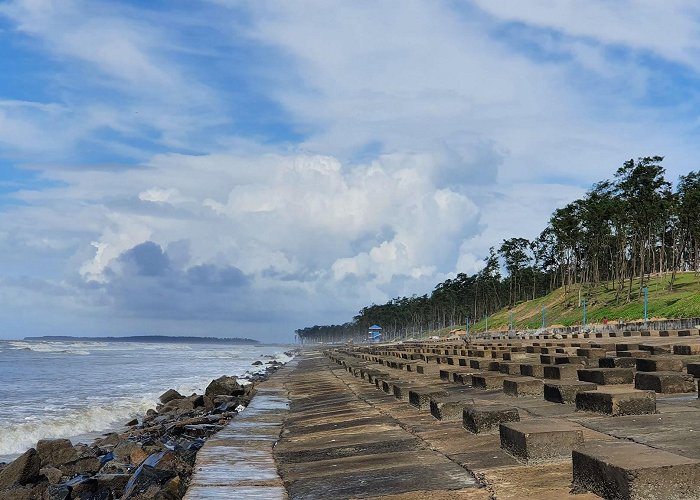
(251, 228)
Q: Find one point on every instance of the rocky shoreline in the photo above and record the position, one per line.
(152, 458)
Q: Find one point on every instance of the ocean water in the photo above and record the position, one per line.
(79, 390)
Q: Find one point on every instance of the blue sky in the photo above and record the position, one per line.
(233, 167)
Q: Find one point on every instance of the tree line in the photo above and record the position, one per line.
(623, 230)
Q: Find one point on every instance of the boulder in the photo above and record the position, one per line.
(148, 479)
(56, 452)
(23, 470)
(53, 474)
(115, 483)
(169, 395)
(185, 404)
(129, 452)
(257, 363)
(58, 492)
(227, 386)
(108, 441)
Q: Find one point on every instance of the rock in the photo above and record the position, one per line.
(52, 474)
(228, 386)
(115, 483)
(257, 363)
(129, 451)
(148, 480)
(56, 452)
(225, 407)
(197, 400)
(170, 395)
(133, 422)
(114, 467)
(177, 404)
(58, 492)
(150, 415)
(110, 440)
(221, 399)
(82, 486)
(173, 487)
(23, 470)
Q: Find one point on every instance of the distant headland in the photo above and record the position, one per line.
(169, 339)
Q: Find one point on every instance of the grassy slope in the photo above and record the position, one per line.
(561, 309)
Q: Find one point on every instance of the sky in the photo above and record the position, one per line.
(246, 168)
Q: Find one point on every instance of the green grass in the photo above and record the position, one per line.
(563, 309)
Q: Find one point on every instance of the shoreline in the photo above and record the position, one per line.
(153, 454)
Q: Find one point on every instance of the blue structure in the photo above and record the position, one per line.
(374, 334)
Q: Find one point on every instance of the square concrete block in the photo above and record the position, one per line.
(420, 397)
(478, 418)
(509, 368)
(660, 364)
(449, 407)
(488, 380)
(566, 391)
(483, 364)
(540, 440)
(464, 378)
(623, 469)
(514, 356)
(607, 376)
(686, 350)
(523, 386)
(617, 401)
(532, 370)
(561, 372)
(664, 382)
(617, 362)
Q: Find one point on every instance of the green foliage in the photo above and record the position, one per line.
(624, 234)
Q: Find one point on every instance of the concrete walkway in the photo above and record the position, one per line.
(336, 444)
(237, 462)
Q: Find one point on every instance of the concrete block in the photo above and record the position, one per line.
(479, 418)
(664, 382)
(448, 407)
(523, 386)
(607, 376)
(464, 378)
(488, 380)
(540, 440)
(623, 469)
(514, 356)
(566, 391)
(483, 364)
(591, 353)
(660, 364)
(509, 368)
(686, 350)
(561, 372)
(617, 362)
(420, 397)
(617, 401)
(694, 369)
(532, 370)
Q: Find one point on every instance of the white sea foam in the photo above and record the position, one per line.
(16, 438)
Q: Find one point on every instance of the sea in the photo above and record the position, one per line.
(80, 390)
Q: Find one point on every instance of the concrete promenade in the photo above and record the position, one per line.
(539, 418)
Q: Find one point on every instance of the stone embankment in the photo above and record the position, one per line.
(152, 458)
